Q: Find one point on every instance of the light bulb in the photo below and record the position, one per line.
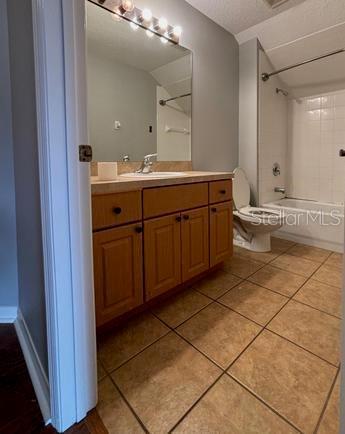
(134, 25)
(149, 33)
(127, 5)
(146, 16)
(117, 15)
(163, 24)
(177, 31)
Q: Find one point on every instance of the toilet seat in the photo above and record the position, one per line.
(256, 214)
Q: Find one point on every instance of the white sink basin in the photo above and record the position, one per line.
(154, 175)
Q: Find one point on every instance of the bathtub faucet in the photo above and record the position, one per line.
(279, 190)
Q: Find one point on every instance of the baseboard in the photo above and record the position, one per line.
(37, 374)
(328, 245)
(8, 314)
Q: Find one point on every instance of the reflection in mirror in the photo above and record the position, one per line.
(139, 92)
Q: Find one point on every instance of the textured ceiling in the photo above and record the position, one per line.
(238, 15)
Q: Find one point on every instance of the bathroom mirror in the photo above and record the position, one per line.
(139, 92)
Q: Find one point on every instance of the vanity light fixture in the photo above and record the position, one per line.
(134, 24)
(146, 16)
(150, 32)
(177, 32)
(126, 6)
(142, 18)
(162, 25)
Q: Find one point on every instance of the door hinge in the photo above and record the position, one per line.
(85, 153)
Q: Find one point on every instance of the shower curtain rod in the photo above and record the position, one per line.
(164, 101)
(265, 76)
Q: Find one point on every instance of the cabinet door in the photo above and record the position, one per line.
(221, 235)
(195, 243)
(162, 254)
(117, 271)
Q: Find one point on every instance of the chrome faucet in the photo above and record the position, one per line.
(146, 165)
(279, 190)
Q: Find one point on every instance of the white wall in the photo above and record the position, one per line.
(248, 113)
(316, 133)
(8, 243)
(27, 188)
(273, 121)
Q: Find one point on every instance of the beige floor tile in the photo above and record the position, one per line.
(311, 329)
(256, 256)
(242, 267)
(335, 260)
(292, 381)
(309, 252)
(219, 333)
(278, 280)
(178, 309)
(228, 408)
(330, 422)
(114, 412)
(294, 264)
(321, 296)
(280, 245)
(254, 302)
(218, 284)
(101, 373)
(129, 340)
(164, 381)
(329, 275)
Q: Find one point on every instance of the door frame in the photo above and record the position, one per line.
(60, 72)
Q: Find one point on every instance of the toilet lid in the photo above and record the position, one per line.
(241, 189)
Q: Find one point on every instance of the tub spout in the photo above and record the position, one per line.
(279, 190)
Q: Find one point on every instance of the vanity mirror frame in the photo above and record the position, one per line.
(111, 6)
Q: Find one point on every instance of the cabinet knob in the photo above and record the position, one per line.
(214, 209)
(178, 219)
(139, 230)
(186, 217)
(222, 191)
(117, 210)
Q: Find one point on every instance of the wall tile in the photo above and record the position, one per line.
(314, 169)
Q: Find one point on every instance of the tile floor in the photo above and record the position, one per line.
(254, 348)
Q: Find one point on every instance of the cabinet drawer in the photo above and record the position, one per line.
(166, 200)
(115, 209)
(220, 191)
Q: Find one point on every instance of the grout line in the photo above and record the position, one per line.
(326, 402)
(225, 371)
(315, 308)
(251, 392)
(109, 372)
(303, 348)
(141, 423)
(195, 403)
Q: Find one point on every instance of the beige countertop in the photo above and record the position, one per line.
(121, 183)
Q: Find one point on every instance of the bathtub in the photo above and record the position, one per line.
(313, 223)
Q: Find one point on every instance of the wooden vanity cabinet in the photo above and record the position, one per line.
(118, 271)
(195, 243)
(162, 257)
(159, 238)
(221, 232)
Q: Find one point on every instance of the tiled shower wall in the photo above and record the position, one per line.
(316, 132)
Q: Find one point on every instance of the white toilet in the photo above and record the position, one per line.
(252, 226)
